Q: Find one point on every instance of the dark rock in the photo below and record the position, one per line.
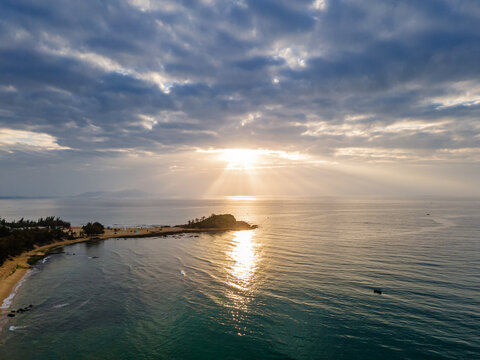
(377, 291)
(224, 222)
(11, 315)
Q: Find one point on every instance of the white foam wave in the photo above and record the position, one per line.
(84, 303)
(45, 259)
(13, 328)
(8, 301)
(60, 305)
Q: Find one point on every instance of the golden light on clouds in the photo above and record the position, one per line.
(249, 159)
(247, 173)
(240, 159)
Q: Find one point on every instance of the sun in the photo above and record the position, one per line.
(239, 159)
(252, 160)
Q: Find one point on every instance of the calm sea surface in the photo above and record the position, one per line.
(298, 287)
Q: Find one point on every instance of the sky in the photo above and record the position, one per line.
(213, 98)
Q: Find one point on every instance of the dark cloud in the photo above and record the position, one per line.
(148, 75)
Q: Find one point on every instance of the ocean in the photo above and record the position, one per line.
(298, 287)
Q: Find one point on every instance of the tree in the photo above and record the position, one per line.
(93, 229)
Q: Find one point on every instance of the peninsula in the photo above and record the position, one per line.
(23, 243)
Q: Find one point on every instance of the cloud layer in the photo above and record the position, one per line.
(348, 81)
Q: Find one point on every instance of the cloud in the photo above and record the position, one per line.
(328, 79)
(11, 139)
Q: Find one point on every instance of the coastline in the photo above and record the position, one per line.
(13, 271)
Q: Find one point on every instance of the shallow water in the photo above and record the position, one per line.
(299, 287)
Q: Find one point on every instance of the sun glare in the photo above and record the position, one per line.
(241, 198)
(239, 159)
(249, 160)
(244, 259)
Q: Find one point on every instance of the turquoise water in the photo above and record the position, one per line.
(298, 287)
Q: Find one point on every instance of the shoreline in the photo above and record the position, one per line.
(13, 271)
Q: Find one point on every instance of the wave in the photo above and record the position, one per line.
(8, 301)
(61, 305)
(45, 259)
(84, 303)
(13, 328)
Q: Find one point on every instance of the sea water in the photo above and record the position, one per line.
(298, 287)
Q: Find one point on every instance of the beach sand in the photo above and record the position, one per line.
(12, 271)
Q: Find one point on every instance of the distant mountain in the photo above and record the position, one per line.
(130, 193)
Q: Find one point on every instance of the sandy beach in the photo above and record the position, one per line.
(12, 271)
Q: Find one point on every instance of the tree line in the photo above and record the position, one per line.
(23, 235)
(49, 221)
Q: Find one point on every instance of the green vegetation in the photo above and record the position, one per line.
(50, 222)
(224, 221)
(19, 236)
(32, 260)
(93, 229)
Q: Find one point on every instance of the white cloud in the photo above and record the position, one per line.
(293, 57)
(251, 117)
(319, 4)
(411, 155)
(58, 46)
(148, 122)
(352, 129)
(152, 5)
(11, 139)
(464, 93)
(319, 128)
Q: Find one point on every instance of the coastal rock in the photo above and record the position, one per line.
(223, 221)
(22, 310)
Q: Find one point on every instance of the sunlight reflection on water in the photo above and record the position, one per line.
(244, 263)
(244, 257)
